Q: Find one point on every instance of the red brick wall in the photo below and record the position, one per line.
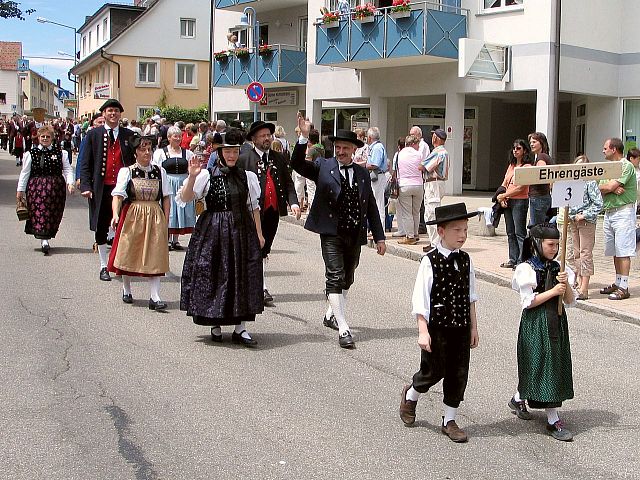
(10, 52)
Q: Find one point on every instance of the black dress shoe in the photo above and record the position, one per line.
(216, 338)
(170, 246)
(177, 246)
(346, 340)
(45, 249)
(238, 338)
(127, 298)
(331, 322)
(104, 275)
(159, 305)
(267, 297)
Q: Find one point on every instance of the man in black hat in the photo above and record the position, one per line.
(106, 151)
(276, 186)
(343, 205)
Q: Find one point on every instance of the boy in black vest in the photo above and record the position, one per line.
(443, 301)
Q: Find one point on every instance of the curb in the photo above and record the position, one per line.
(491, 277)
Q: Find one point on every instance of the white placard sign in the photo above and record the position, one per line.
(559, 173)
(567, 194)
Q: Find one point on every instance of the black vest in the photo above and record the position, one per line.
(46, 162)
(348, 207)
(175, 165)
(450, 302)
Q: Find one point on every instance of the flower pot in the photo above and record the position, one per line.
(367, 19)
(397, 15)
(334, 24)
(222, 59)
(266, 53)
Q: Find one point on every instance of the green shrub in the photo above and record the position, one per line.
(175, 113)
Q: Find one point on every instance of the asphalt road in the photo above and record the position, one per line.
(96, 389)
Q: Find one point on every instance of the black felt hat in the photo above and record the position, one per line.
(449, 213)
(347, 136)
(112, 102)
(259, 125)
(136, 139)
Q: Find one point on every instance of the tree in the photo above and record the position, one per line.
(9, 9)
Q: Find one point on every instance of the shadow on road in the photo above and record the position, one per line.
(299, 297)
(282, 273)
(266, 341)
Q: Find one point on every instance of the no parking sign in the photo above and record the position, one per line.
(255, 92)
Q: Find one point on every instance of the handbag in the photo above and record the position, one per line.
(21, 209)
(201, 205)
(393, 187)
(373, 175)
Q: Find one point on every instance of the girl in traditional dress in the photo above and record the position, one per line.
(175, 161)
(222, 273)
(544, 354)
(140, 245)
(46, 177)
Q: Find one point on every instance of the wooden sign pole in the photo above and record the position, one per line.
(563, 252)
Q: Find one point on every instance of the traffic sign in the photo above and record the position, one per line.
(64, 94)
(23, 65)
(255, 92)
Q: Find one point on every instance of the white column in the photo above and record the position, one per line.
(545, 121)
(378, 117)
(314, 112)
(454, 126)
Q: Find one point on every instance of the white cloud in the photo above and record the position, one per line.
(62, 64)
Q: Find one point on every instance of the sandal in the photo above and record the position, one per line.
(582, 296)
(610, 289)
(620, 294)
(507, 265)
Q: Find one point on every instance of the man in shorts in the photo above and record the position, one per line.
(619, 226)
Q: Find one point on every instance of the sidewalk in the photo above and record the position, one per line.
(489, 252)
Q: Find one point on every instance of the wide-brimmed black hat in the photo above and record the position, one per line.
(136, 139)
(449, 213)
(347, 136)
(112, 102)
(259, 125)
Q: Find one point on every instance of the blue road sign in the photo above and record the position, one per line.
(23, 65)
(255, 92)
(64, 94)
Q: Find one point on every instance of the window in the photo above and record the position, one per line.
(270, 116)
(303, 28)
(242, 37)
(89, 41)
(185, 74)
(187, 27)
(489, 4)
(264, 34)
(84, 46)
(104, 30)
(3, 98)
(147, 72)
(98, 34)
(143, 110)
(631, 123)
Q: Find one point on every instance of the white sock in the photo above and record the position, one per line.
(329, 312)
(412, 394)
(618, 279)
(45, 243)
(264, 274)
(552, 415)
(154, 288)
(624, 281)
(516, 397)
(126, 284)
(241, 329)
(449, 414)
(336, 300)
(104, 256)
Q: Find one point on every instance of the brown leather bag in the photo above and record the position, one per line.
(21, 209)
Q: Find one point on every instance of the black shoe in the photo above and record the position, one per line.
(45, 249)
(216, 338)
(558, 432)
(519, 409)
(110, 241)
(267, 297)
(158, 306)
(127, 298)
(104, 275)
(170, 246)
(177, 246)
(331, 322)
(238, 338)
(346, 340)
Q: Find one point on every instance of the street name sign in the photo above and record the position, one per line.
(575, 171)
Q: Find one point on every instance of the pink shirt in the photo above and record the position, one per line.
(408, 161)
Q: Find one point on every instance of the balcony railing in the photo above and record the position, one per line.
(286, 65)
(231, 3)
(428, 29)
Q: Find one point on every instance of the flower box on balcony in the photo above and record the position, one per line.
(401, 14)
(241, 53)
(221, 56)
(367, 19)
(333, 24)
(365, 13)
(265, 50)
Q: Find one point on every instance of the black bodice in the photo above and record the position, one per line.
(46, 162)
(222, 198)
(175, 165)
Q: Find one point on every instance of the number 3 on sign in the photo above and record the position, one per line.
(567, 194)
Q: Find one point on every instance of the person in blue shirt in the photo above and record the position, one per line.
(378, 165)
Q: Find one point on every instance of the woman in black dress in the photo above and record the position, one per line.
(222, 273)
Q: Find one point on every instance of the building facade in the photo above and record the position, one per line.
(482, 69)
(152, 55)
(10, 91)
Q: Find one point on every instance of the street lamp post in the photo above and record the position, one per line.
(252, 22)
(75, 57)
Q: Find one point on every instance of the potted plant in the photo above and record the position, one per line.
(221, 56)
(330, 19)
(241, 53)
(400, 9)
(265, 50)
(365, 13)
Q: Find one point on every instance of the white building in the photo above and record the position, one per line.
(397, 72)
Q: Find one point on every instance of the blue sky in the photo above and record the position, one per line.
(45, 39)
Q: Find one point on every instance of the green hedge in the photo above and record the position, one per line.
(174, 113)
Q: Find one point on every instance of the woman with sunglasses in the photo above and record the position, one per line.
(45, 178)
(515, 202)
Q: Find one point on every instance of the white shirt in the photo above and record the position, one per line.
(115, 130)
(159, 156)
(124, 177)
(524, 282)
(201, 188)
(424, 149)
(67, 171)
(421, 299)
